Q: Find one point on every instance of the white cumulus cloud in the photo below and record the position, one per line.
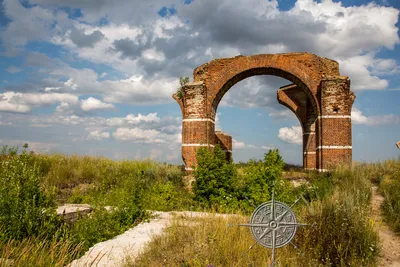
(357, 117)
(23, 102)
(291, 135)
(93, 103)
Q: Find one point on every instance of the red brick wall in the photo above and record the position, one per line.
(335, 138)
(225, 142)
(198, 132)
(335, 131)
(310, 161)
(332, 157)
(309, 150)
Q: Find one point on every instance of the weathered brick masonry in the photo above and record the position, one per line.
(319, 97)
(225, 142)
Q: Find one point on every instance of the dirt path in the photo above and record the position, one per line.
(390, 243)
(114, 252)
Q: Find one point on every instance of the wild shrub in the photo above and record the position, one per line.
(27, 208)
(80, 196)
(214, 176)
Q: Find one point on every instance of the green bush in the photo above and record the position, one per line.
(26, 207)
(214, 176)
(167, 196)
(261, 178)
(219, 184)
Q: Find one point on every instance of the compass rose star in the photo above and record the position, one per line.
(273, 225)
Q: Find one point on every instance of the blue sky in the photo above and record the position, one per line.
(96, 77)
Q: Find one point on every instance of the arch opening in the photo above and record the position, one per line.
(300, 103)
(262, 71)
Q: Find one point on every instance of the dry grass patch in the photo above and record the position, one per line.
(35, 251)
(206, 241)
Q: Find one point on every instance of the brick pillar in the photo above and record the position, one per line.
(309, 147)
(225, 142)
(197, 127)
(309, 137)
(300, 104)
(334, 123)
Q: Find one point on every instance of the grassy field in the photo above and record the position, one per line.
(342, 235)
(31, 187)
(338, 204)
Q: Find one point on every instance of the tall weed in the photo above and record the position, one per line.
(33, 251)
(389, 187)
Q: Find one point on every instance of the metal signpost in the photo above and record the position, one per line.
(273, 225)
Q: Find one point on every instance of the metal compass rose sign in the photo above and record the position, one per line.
(273, 225)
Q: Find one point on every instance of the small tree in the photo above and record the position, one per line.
(182, 82)
(213, 175)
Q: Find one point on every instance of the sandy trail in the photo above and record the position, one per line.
(390, 243)
(114, 252)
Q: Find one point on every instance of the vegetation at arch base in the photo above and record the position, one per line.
(182, 82)
(222, 185)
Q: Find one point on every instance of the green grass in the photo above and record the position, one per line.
(32, 185)
(386, 175)
(342, 232)
(338, 204)
(102, 182)
(388, 179)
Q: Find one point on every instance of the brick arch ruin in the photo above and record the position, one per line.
(319, 97)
